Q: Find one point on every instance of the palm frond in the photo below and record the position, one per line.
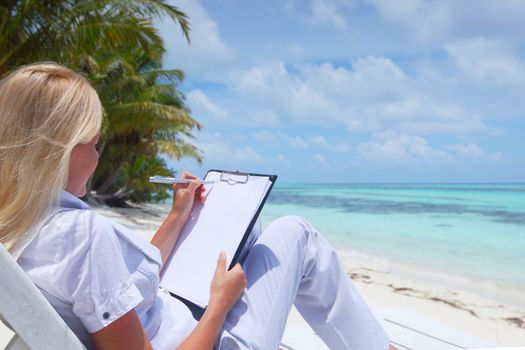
(147, 115)
(179, 149)
(159, 8)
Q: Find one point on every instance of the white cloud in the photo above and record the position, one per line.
(489, 60)
(422, 15)
(297, 142)
(466, 150)
(422, 24)
(471, 152)
(326, 12)
(295, 49)
(321, 141)
(317, 93)
(405, 149)
(371, 78)
(223, 152)
(401, 10)
(282, 161)
(199, 102)
(264, 117)
(265, 136)
(391, 147)
(375, 94)
(496, 157)
(422, 115)
(320, 158)
(280, 158)
(208, 57)
(432, 23)
(258, 78)
(218, 149)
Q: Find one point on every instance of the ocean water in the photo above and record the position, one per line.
(474, 231)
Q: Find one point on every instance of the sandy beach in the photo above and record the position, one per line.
(489, 320)
(492, 315)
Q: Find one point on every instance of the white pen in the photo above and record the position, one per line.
(173, 180)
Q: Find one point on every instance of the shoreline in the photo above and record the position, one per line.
(490, 313)
(512, 297)
(473, 314)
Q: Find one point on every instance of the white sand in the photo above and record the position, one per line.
(495, 322)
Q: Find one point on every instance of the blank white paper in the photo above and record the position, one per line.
(217, 225)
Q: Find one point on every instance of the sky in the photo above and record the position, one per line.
(355, 90)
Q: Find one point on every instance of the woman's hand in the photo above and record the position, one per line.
(226, 286)
(184, 195)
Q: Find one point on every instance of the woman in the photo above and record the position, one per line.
(104, 281)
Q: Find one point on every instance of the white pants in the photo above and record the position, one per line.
(291, 263)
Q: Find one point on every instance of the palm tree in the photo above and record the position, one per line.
(66, 30)
(115, 44)
(145, 116)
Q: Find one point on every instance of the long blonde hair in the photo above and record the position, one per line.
(45, 110)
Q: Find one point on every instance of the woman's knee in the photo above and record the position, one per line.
(292, 220)
(291, 225)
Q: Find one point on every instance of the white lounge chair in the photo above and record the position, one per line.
(25, 310)
(407, 330)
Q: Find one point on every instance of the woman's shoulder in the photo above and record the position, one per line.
(74, 220)
(71, 229)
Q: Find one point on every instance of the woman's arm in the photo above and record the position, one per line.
(227, 286)
(184, 196)
(123, 333)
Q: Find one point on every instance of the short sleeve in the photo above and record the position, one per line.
(99, 284)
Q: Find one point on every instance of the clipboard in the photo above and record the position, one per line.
(223, 222)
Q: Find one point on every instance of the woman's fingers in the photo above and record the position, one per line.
(177, 187)
(199, 193)
(194, 185)
(221, 264)
(226, 286)
(184, 195)
(236, 271)
(187, 175)
(239, 274)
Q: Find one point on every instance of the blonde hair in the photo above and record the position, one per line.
(45, 110)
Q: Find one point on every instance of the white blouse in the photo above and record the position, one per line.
(93, 270)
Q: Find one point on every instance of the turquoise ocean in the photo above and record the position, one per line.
(474, 231)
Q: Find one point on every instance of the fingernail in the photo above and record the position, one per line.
(223, 254)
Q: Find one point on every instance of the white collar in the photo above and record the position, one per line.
(67, 200)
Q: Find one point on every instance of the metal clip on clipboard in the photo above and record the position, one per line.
(233, 178)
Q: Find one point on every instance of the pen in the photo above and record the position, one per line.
(173, 180)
